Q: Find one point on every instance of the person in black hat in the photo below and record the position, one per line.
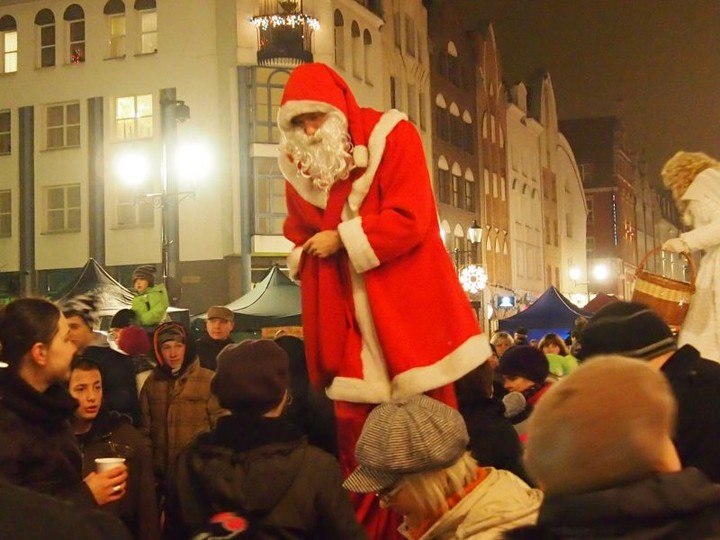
(257, 463)
(632, 329)
(151, 302)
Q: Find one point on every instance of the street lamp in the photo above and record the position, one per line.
(473, 277)
(190, 162)
(579, 299)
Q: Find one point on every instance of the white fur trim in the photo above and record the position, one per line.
(375, 386)
(465, 358)
(376, 149)
(293, 108)
(293, 262)
(360, 252)
(360, 156)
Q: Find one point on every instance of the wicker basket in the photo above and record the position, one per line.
(669, 298)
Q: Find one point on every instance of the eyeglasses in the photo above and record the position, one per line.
(387, 494)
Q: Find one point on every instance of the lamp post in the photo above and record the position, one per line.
(133, 169)
(473, 277)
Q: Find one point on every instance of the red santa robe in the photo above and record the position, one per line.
(384, 318)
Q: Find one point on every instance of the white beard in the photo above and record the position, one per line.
(323, 157)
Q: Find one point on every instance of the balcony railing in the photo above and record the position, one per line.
(284, 38)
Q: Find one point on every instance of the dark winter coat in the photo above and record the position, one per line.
(264, 468)
(112, 434)
(28, 515)
(208, 348)
(37, 447)
(696, 385)
(680, 506)
(494, 442)
(120, 392)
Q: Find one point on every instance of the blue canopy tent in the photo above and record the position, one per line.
(551, 313)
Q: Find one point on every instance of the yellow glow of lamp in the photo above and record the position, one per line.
(473, 278)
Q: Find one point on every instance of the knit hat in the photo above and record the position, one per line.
(403, 437)
(134, 341)
(317, 88)
(251, 376)
(83, 306)
(123, 318)
(170, 332)
(627, 329)
(146, 272)
(525, 361)
(609, 422)
(220, 312)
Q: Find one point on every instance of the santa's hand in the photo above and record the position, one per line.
(323, 244)
(676, 245)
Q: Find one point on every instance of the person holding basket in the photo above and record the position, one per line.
(694, 180)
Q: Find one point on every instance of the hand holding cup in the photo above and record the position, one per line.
(108, 484)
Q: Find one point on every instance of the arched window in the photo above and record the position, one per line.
(367, 56)
(443, 180)
(455, 125)
(9, 44)
(468, 134)
(116, 27)
(339, 39)
(45, 23)
(457, 186)
(453, 65)
(269, 85)
(470, 196)
(356, 50)
(442, 118)
(75, 34)
(148, 24)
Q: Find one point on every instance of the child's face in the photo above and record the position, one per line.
(173, 353)
(141, 284)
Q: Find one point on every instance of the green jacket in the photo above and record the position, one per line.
(150, 306)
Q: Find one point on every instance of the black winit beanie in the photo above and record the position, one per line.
(627, 329)
(525, 361)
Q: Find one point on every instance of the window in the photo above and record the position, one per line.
(9, 44)
(132, 210)
(5, 213)
(115, 13)
(367, 56)
(5, 135)
(409, 35)
(63, 125)
(339, 39)
(269, 197)
(457, 187)
(590, 212)
(63, 208)
(569, 224)
(147, 15)
(468, 139)
(393, 93)
(134, 117)
(469, 191)
(453, 67)
(590, 243)
(45, 23)
(269, 85)
(442, 118)
(356, 49)
(455, 125)
(75, 32)
(547, 230)
(444, 186)
(587, 172)
(412, 103)
(556, 233)
(423, 111)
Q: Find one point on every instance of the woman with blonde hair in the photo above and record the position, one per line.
(412, 454)
(694, 180)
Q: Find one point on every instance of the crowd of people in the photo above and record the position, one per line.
(395, 416)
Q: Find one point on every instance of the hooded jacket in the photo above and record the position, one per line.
(264, 468)
(151, 305)
(174, 407)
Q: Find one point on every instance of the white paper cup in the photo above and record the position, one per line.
(103, 464)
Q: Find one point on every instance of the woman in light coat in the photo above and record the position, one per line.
(694, 179)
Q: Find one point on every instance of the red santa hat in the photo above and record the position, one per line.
(317, 88)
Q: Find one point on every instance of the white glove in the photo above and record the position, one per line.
(676, 245)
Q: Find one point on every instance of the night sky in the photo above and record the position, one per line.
(661, 58)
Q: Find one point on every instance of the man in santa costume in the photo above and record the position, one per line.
(384, 316)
